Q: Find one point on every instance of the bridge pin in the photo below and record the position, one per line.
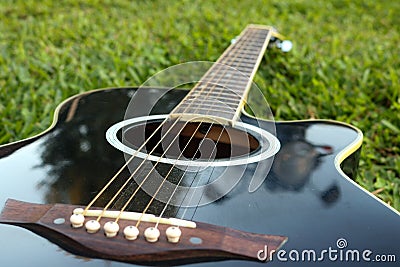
(173, 234)
(151, 234)
(111, 229)
(78, 211)
(92, 226)
(131, 232)
(77, 220)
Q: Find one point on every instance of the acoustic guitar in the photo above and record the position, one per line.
(159, 175)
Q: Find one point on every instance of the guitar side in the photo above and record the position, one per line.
(305, 196)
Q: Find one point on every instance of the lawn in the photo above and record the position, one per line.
(345, 63)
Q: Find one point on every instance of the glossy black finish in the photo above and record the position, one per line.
(304, 196)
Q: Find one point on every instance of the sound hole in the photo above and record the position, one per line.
(194, 140)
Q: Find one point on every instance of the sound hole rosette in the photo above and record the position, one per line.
(269, 145)
(228, 171)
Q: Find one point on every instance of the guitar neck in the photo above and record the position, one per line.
(221, 92)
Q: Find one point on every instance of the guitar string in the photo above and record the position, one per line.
(149, 173)
(221, 92)
(125, 165)
(225, 53)
(163, 182)
(214, 86)
(134, 155)
(133, 174)
(227, 101)
(122, 168)
(167, 175)
(181, 178)
(129, 161)
(183, 174)
(159, 217)
(266, 39)
(140, 185)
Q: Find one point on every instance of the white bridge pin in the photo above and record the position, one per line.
(152, 234)
(173, 234)
(77, 220)
(131, 232)
(92, 226)
(111, 229)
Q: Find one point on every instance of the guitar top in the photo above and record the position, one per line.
(200, 180)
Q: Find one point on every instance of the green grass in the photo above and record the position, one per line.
(344, 66)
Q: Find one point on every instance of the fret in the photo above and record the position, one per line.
(233, 88)
(222, 96)
(226, 89)
(215, 87)
(240, 50)
(243, 54)
(232, 74)
(249, 44)
(248, 48)
(212, 101)
(235, 63)
(215, 105)
(225, 85)
(245, 57)
(240, 57)
(227, 81)
(255, 38)
(242, 65)
(236, 77)
(209, 101)
(211, 116)
(240, 60)
(208, 106)
(206, 111)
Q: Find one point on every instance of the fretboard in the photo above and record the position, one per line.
(222, 91)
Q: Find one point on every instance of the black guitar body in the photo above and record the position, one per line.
(305, 197)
